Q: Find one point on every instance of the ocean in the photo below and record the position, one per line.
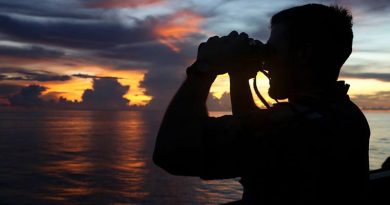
(101, 157)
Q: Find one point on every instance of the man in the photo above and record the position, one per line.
(311, 150)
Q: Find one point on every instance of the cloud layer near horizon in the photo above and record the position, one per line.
(106, 94)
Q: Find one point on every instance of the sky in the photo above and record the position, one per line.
(133, 53)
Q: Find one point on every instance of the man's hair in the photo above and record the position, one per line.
(327, 28)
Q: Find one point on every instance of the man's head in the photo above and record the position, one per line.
(308, 46)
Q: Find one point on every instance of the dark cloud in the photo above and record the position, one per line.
(7, 90)
(52, 96)
(167, 69)
(81, 75)
(28, 96)
(31, 52)
(47, 8)
(162, 84)
(106, 93)
(262, 33)
(354, 68)
(385, 77)
(136, 42)
(107, 41)
(155, 54)
(17, 74)
(74, 34)
(120, 3)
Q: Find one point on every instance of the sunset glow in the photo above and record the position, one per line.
(113, 102)
(144, 47)
(73, 90)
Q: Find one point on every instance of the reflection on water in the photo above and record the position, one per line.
(380, 137)
(96, 152)
(83, 157)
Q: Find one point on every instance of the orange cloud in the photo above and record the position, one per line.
(125, 3)
(177, 27)
(136, 94)
(73, 89)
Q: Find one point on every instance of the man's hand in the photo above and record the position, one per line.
(235, 53)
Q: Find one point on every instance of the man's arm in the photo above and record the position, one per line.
(178, 147)
(188, 138)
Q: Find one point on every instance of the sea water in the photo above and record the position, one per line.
(97, 157)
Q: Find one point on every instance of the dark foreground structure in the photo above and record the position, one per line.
(380, 184)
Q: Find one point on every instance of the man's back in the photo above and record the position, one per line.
(317, 154)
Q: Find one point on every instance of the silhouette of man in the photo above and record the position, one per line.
(312, 149)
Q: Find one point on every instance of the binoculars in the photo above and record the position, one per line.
(260, 53)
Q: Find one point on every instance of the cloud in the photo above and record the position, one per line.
(122, 3)
(177, 27)
(81, 75)
(87, 34)
(106, 29)
(23, 74)
(369, 6)
(45, 8)
(379, 100)
(166, 58)
(219, 104)
(106, 93)
(153, 40)
(385, 77)
(162, 84)
(32, 52)
(52, 96)
(154, 55)
(28, 96)
(7, 90)
(164, 43)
